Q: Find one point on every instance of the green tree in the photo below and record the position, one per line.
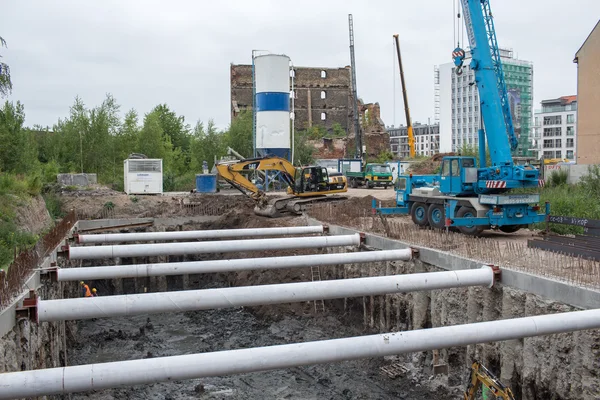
(303, 151)
(207, 144)
(338, 130)
(239, 134)
(18, 151)
(174, 127)
(151, 140)
(5, 81)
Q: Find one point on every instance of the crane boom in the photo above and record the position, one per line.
(495, 108)
(357, 132)
(489, 74)
(411, 136)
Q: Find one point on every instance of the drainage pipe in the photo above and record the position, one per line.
(192, 235)
(243, 264)
(207, 299)
(81, 378)
(223, 246)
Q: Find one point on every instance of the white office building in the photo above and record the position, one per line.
(555, 129)
(427, 140)
(457, 103)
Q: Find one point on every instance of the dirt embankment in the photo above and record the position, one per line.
(110, 204)
(31, 215)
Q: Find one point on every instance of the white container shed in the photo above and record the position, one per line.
(143, 176)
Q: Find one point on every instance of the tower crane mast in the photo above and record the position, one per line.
(357, 131)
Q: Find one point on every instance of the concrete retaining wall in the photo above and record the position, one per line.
(575, 171)
(77, 179)
(564, 366)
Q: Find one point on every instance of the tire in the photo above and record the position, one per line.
(353, 183)
(418, 214)
(509, 228)
(368, 184)
(436, 215)
(473, 230)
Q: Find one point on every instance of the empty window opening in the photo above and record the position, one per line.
(323, 116)
(323, 94)
(323, 74)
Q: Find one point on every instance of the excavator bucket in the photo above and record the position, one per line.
(268, 211)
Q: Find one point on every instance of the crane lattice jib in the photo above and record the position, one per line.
(491, 32)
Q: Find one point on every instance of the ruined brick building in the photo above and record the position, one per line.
(322, 97)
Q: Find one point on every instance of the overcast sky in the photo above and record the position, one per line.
(178, 52)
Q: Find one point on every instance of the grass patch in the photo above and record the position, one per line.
(14, 191)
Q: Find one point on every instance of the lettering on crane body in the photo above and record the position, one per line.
(509, 199)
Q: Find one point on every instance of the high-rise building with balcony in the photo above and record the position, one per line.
(457, 103)
(555, 129)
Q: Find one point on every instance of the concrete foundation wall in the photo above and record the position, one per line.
(77, 179)
(575, 171)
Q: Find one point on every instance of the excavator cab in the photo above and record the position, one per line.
(311, 179)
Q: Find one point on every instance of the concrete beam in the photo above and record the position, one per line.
(56, 381)
(193, 300)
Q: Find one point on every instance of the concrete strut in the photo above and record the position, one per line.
(223, 246)
(203, 267)
(136, 372)
(192, 235)
(193, 300)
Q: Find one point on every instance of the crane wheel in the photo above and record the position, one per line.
(436, 216)
(509, 228)
(418, 214)
(468, 212)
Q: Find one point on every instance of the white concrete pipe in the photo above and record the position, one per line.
(223, 246)
(207, 299)
(242, 264)
(191, 235)
(136, 372)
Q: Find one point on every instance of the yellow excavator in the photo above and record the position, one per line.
(481, 376)
(306, 185)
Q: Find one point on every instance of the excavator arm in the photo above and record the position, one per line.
(235, 174)
(480, 375)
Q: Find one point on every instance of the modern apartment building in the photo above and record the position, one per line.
(427, 140)
(555, 129)
(457, 103)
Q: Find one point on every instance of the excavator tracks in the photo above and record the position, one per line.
(282, 206)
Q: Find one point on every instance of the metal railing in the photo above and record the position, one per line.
(19, 271)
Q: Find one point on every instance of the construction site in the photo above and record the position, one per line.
(353, 275)
(258, 294)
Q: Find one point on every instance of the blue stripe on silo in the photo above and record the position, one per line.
(272, 101)
(278, 152)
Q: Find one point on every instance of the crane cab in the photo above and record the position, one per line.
(312, 180)
(458, 176)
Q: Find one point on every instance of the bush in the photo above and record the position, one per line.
(54, 205)
(591, 181)
(49, 172)
(558, 178)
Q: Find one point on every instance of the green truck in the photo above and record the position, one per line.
(372, 175)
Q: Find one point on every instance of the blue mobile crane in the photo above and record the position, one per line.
(463, 195)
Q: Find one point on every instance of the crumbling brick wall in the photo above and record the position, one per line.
(329, 148)
(318, 93)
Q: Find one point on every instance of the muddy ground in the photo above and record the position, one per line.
(195, 332)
